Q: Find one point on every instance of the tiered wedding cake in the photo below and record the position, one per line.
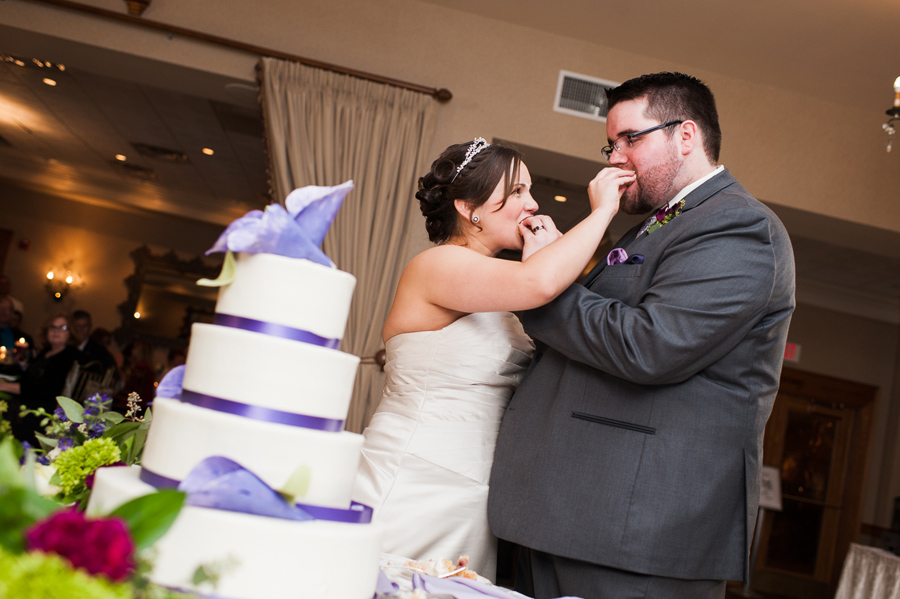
(266, 387)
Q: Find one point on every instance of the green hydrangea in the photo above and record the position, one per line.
(76, 464)
(42, 576)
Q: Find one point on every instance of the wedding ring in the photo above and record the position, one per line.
(537, 228)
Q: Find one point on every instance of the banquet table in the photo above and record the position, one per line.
(869, 573)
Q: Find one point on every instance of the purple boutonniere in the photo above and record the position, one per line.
(664, 215)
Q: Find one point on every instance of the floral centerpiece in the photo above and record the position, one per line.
(78, 439)
(49, 551)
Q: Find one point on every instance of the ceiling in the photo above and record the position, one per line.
(846, 51)
(160, 116)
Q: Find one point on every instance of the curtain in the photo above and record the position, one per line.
(323, 128)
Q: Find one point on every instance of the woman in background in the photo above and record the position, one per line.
(45, 378)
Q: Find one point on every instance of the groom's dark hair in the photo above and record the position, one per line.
(675, 97)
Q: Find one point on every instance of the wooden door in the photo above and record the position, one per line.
(818, 436)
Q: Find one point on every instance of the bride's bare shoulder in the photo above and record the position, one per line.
(439, 255)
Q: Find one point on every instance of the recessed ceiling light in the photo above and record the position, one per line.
(121, 157)
(208, 151)
(49, 81)
(19, 63)
(559, 198)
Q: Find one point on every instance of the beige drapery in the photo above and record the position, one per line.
(323, 128)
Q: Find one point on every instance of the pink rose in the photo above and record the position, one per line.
(100, 546)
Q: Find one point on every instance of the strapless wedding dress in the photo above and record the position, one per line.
(428, 449)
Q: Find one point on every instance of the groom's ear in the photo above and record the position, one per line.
(464, 208)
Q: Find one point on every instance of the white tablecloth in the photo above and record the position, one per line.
(869, 573)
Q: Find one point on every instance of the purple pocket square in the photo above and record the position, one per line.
(620, 256)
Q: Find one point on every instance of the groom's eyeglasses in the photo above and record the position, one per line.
(625, 141)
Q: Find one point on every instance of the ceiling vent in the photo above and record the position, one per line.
(159, 153)
(134, 171)
(580, 95)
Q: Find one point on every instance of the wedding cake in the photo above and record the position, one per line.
(264, 391)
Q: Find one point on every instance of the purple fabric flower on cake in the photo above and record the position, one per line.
(170, 385)
(222, 484)
(296, 231)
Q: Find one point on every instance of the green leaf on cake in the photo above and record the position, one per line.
(225, 277)
(297, 485)
(150, 516)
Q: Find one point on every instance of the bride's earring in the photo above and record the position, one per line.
(475, 219)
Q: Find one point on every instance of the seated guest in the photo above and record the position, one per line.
(44, 379)
(12, 338)
(94, 356)
(5, 289)
(138, 375)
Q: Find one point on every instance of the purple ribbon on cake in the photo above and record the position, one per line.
(262, 413)
(295, 230)
(220, 483)
(275, 330)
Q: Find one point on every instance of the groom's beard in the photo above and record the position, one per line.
(653, 187)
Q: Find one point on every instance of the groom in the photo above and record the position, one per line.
(628, 462)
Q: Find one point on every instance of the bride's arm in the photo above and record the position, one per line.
(458, 279)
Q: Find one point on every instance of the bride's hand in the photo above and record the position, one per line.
(607, 188)
(537, 231)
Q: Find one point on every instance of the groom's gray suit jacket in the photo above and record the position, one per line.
(635, 439)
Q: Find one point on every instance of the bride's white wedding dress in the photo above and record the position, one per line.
(428, 449)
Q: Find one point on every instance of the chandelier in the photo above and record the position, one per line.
(894, 113)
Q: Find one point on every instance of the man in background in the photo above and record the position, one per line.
(93, 356)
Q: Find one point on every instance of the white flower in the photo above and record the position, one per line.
(42, 475)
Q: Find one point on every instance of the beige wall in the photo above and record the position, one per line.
(788, 149)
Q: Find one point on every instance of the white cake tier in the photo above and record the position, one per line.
(290, 292)
(182, 435)
(272, 558)
(261, 370)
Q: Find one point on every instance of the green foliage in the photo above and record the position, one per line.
(76, 464)
(43, 576)
(20, 505)
(150, 516)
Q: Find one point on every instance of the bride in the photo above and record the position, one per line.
(455, 353)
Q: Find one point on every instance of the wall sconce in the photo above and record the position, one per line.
(894, 113)
(62, 280)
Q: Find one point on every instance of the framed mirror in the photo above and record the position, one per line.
(164, 299)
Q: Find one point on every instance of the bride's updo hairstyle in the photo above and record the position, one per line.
(474, 184)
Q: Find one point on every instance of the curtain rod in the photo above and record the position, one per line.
(442, 94)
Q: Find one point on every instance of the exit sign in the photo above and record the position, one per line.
(792, 352)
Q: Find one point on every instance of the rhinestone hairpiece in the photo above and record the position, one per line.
(477, 145)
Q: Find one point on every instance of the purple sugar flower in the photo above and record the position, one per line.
(296, 231)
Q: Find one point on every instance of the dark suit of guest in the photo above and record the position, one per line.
(635, 440)
(93, 356)
(40, 385)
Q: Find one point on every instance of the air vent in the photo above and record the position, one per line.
(580, 95)
(159, 153)
(134, 171)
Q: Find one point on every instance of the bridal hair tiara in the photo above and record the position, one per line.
(477, 145)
